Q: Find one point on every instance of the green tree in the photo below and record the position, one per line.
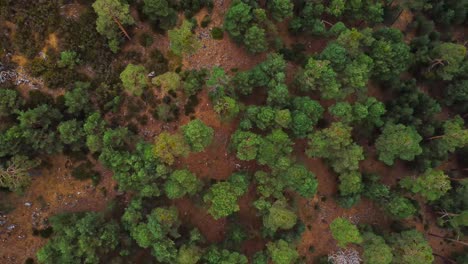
(400, 207)
(255, 40)
(269, 185)
(345, 232)
(182, 39)
(136, 171)
(72, 134)
(376, 250)
(82, 237)
(398, 141)
(169, 81)
(432, 185)
(455, 135)
(456, 96)
(279, 217)
(306, 113)
(391, 55)
(350, 183)
(237, 20)
(160, 12)
(410, 247)
(214, 255)
(112, 16)
(9, 102)
(281, 9)
(78, 100)
(227, 108)
(246, 144)
(189, 254)
(319, 75)
(282, 252)
(181, 183)
(301, 180)
(197, 135)
(134, 79)
(36, 129)
(273, 147)
(447, 59)
(157, 233)
(167, 147)
(222, 196)
(336, 7)
(94, 127)
(337, 147)
(68, 59)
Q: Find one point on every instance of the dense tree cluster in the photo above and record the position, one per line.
(110, 86)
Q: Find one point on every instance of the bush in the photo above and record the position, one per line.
(217, 33)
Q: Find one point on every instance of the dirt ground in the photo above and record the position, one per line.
(55, 191)
(52, 191)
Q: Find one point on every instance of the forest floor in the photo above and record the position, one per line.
(53, 190)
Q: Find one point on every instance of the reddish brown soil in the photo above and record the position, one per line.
(54, 191)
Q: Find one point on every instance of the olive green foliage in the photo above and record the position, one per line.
(282, 252)
(300, 179)
(78, 100)
(14, 175)
(68, 59)
(227, 108)
(169, 81)
(319, 75)
(281, 9)
(309, 17)
(336, 146)
(34, 133)
(398, 141)
(368, 113)
(82, 237)
(134, 171)
(167, 147)
(181, 183)
(72, 134)
(215, 255)
(94, 127)
(246, 144)
(447, 58)
(189, 254)
(279, 216)
(350, 183)
(222, 196)
(273, 147)
(431, 185)
(9, 102)
(400, 207)
(391, 55)
(183, 41)
(376, 250)
(255, 40)
(110, 11)
(134, 79)
(197, 135)
(455, 135)
(410, 247)
(305, 115)
(237, 20)
(345, 232)
(157, 232)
